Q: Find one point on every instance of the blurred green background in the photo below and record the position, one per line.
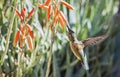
(90, 18)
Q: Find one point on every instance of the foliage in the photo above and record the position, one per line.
(89, 18)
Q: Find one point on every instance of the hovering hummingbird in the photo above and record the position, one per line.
(77, 47)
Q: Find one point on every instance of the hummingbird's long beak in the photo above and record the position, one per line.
(69, 29)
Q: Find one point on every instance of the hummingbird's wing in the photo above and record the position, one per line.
(93, 40)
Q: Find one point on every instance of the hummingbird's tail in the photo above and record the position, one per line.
(86, 67)
(84, 62)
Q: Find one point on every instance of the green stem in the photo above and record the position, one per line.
(20, 59)
(71, 65)
(50, 56)
(8, 37)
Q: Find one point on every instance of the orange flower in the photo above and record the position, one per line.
(30, 13)
(57, 15)
(43, 6)
(49, 12)
(16, 38)
(47, 2)
(22, 15)
(24, 33)
(22, 29)
(62, 16)
(67, 5)
(18, 13)
(30, 30)
(56, 20)
(22, 41)
(62, 23)
(30, 43)
(31, 34)
(23, 12)
(56, 11)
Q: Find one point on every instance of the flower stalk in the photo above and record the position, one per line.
(50, 54)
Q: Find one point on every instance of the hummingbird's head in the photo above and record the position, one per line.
(70, 34)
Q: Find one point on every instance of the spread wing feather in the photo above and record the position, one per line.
(93, 40)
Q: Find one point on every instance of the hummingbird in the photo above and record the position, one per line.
(77, 47)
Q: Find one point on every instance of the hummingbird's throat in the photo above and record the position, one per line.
(71, 37)
(70, 34)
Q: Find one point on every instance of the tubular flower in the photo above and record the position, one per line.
(43, 6)
(29, 39)
(49, 12)
(22, 15)
(62, 23)
(25, 32)
(30, 13)
(47, 2)
(67, 5)
(16, 38)
(54, 12)
(23, 11)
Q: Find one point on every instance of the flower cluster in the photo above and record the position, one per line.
(54, 12)
(25, 32)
